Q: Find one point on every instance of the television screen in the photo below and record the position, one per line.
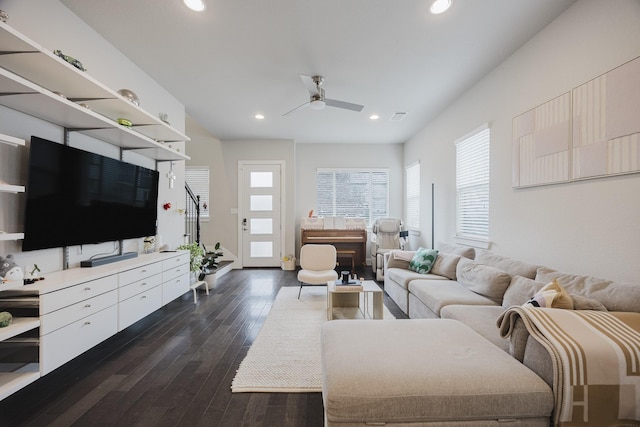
(76, 197)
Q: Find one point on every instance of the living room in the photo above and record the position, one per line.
(584, 226)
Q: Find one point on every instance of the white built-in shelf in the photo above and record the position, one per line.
(11, 140)
(18, 326)
(9, 188)
(30, 75)
(13, 377)
(11, 236)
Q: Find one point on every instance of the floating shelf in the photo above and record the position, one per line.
(11, 140)
(30, 75)
(10, 382)
(11, 236)
(8, 188)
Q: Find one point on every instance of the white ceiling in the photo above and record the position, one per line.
(242, 57)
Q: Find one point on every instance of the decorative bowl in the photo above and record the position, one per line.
(3, 16)
(129, 96)
(125, 122)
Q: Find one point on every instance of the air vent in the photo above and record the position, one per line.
(397, 117)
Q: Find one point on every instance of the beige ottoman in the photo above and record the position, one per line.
(434, 372)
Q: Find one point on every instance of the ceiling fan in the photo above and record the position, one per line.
(317, 100)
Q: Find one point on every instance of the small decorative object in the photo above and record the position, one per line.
(3, 16)
(129, 96)
(164, 117)
(9, 270)
(5, 319)
(35, 270)
(70, 59)
(149, 244)
(166, 206)
(171, 176)
(125, 122)
(83, 105)
(60, 94)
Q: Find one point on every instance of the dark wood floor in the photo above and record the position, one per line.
(173, 368)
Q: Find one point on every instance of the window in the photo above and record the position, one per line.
(472, 185)
(197, 177)
(360, 193)
(413, 196)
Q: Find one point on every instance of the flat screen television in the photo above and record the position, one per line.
(76, 197)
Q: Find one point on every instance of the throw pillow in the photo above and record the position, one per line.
(551, 295)
(423, 260)
(445, 265)
(584, 303)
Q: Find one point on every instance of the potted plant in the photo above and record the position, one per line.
(196, 258)
(209, 263)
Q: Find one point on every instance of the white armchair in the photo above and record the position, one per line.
(385, 237)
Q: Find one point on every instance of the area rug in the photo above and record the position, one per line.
(285, 356)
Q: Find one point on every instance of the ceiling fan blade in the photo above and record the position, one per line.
(309, 84)
(299, 107)
(342, 104)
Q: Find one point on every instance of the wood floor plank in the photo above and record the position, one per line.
(174, 368)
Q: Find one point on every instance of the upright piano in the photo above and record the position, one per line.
(347, 240)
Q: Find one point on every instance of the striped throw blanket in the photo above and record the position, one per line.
(596, 362)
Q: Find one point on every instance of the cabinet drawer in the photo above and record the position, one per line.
(66, 343)
(173, 288)
(137, 307)
(175, 267)
(127, 291)
(59, 318)
(74, 294)
(136, 274)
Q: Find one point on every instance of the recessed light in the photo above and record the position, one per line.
(374, 117)
(197, 5)
(259, 116)
(440, 6)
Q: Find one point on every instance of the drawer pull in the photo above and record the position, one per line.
(87, 288)
(143, 297)
(87, 323)
(143, 271)
(87, 306)
(143, 284)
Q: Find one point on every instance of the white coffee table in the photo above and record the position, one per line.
(351, 300)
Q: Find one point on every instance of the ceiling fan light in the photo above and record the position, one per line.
(196, 5)
(317, 104)
(440, 6)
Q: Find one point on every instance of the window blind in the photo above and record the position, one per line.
(412, 191)
(353, 192)
(472, 185)
(197, 177)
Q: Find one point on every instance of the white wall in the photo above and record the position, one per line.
(310, 157)
(53, 26)
(588, 227)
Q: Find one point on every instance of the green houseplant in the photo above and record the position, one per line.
(209, 262)
(197, 256)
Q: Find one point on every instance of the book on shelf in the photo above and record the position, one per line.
(351, 286)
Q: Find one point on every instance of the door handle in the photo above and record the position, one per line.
(244, 224)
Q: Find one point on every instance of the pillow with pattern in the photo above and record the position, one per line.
(423, 260)
(551, 295)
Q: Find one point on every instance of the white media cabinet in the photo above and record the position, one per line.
(74, 310)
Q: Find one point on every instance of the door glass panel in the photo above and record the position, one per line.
(261, 249)
(261, 226)
(261, 179)
(261, 203)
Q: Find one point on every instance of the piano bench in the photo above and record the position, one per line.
(347, 253)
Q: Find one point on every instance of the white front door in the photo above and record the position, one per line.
(260, 216)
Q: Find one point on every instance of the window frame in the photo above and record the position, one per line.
(371, 215)
(199, 188)
(412, 196)
(473, 159)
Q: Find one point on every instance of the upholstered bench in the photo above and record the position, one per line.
(425, 372)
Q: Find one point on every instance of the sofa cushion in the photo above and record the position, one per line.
(423, 260)
(584, 303)
(435, 294)
(511, 266)
(520, 290)
(403, 276)
(445, 265)
(480, 318)
(483, 279)
(425, 373)
(551, 295)
(615, 296)
(450, 248)
(400, 259)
